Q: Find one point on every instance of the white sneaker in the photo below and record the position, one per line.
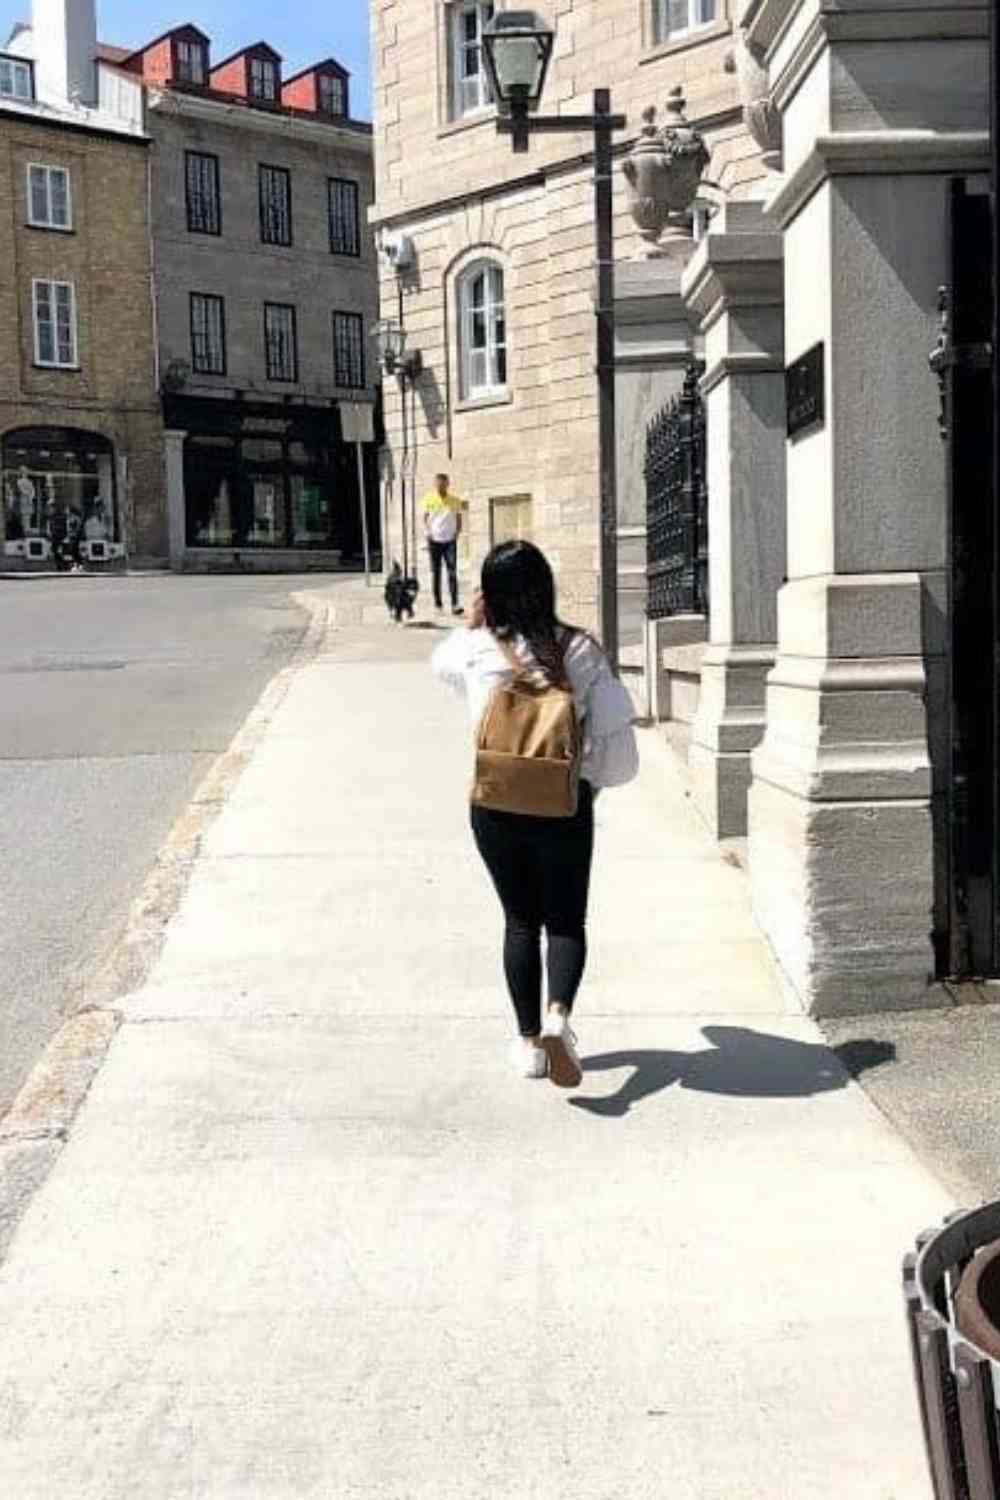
(560, 1046)
(529, 1061)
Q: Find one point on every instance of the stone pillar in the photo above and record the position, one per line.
(734, 288)
(173, 442)
(653, 344)
(841, 840)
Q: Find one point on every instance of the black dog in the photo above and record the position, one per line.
(400, 593)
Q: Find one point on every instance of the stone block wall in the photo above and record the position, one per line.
(460, 193)
(237, 266)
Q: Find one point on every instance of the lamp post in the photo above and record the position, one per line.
(518, 49)
(406, 365)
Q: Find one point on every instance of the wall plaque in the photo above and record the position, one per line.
(805, 395)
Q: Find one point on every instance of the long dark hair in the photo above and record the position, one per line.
(519, 596)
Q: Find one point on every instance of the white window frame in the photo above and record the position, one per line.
(464, 104)
(49, 222)
(71, 362)
(18, 70)
(664, 33)
(482, 384)
(191, 56)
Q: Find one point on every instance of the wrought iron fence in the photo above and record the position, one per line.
(677, 504)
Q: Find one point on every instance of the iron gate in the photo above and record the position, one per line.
(677, 504)
(963, 361)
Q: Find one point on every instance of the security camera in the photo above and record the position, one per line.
(399, 251)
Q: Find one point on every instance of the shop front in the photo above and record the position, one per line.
(267, 486)
(60, 497)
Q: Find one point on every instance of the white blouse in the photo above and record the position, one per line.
(471, 662)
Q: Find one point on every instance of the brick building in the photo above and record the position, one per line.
(499, 295)
(80, 423)
(206, 423)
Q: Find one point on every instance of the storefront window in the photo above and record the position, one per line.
(289, 483)
(266, 521)
(311, 511)
(58, 483)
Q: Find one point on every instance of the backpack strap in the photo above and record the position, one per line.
(521, 670)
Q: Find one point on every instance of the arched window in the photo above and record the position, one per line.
(483, 330)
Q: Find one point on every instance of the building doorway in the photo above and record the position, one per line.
(969, 944)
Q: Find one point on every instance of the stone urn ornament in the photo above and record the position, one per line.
(663, 171)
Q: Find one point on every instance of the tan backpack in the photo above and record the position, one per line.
(529, 746)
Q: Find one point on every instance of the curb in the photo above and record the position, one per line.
(38, 1123)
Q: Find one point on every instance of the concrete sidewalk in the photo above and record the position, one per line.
(310, 1239)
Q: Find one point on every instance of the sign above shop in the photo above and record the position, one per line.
(279, 425)
(805, 394)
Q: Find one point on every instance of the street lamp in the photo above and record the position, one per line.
(518, 52)
(517, 47)
(393, 354)
(406, 365)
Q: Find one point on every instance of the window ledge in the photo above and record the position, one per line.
(468, 122)
(51, 228)
(61, 369)
(694, 38)
(478, 403)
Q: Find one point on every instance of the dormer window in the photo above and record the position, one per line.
(192, 65)
(16, 79)
(263, 79)
(332, 95)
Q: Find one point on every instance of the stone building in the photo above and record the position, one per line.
(838, 679)
(497, 293)
(850, 684)
(266, 297)
(80, 423)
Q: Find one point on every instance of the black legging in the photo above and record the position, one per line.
(541, 870)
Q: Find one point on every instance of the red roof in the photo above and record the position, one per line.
(113, 54)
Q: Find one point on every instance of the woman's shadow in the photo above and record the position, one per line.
(739, 1062)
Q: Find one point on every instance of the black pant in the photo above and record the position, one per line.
(541, 870)
(447, 553)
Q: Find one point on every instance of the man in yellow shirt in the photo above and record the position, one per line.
(443, 525)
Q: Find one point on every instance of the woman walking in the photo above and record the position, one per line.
(540, 865)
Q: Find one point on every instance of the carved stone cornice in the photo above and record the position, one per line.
(733, 270)
(878, 153)
(766, 21)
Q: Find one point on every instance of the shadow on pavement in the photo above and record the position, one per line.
(739, 1062)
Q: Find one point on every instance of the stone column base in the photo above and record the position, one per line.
(729, 725)
(660, 636)
(841, 846)
(843, 891)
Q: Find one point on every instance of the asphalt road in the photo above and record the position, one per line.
(116, 695)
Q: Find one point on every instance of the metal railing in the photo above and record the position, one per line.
(677, 504)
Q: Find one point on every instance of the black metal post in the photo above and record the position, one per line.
(519, 124)
(995, 193)
(607, 428)
(521, 128)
